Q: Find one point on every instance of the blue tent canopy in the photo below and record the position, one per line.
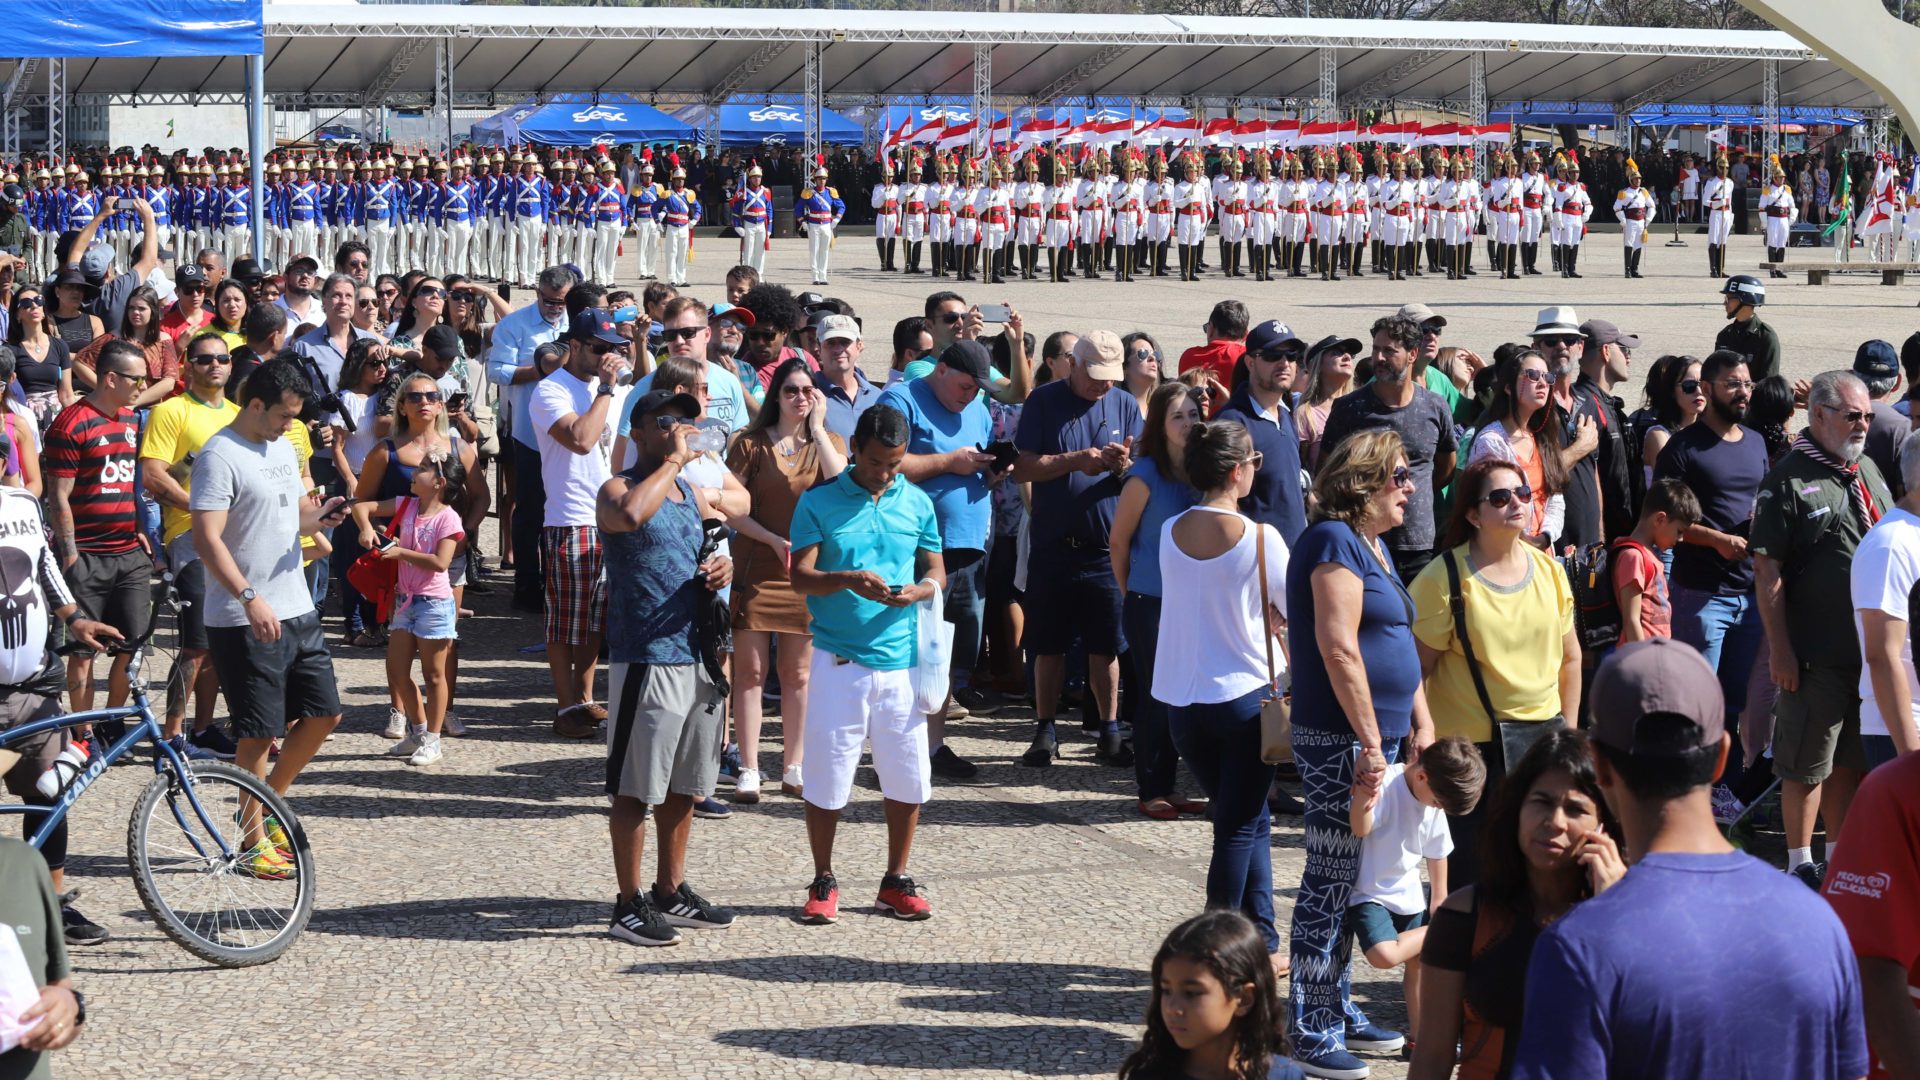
(1549, 113)
(136, 28)
(775, 124)
(1741, 116)
(582, 120)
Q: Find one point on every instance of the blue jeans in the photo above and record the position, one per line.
(1880, 750)
(1156, 764)
(1321, 1001)
(1727, 631)
(1222, 743)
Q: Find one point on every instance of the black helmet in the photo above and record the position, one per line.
(13, 193)
(1747, 287)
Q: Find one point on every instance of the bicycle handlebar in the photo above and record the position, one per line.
(168, 594)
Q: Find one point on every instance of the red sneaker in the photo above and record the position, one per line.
(901, 896)
(823, 902)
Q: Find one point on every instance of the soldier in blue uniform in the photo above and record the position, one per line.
(609, 222)
(819, 210)
(752, 218)
(236, 215)
(379, 202)
(531, 204)
(678, 213)
(643, 204)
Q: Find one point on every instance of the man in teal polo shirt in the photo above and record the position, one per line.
(866, 551)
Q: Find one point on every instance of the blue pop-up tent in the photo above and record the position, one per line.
(582, 120)
(770, 124)
(110, 29)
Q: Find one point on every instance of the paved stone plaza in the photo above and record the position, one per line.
(462, 908)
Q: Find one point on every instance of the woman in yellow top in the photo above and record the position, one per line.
(1518, 613)
(230, 304)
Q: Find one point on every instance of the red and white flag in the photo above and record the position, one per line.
(1001, 133)
(898, 136)
(1438, 135)
(1168, 130)
(1331, 133)
(1396, 134)
(1490, 133)
(1250, 133)
(1040, 129)
(1283, 133)
(1217, 132)
(928, 132)
(955, 136)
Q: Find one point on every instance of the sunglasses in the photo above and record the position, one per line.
(553, 301)
(1402, 476)
(356, 264)
(668, 423)
(1560, 339)
(434, 291)
(1534, 374)
(137, 380)
(368, 303)
(952, 316)
(1498, 498)
(462, 295)
(1143, 355)
(190, 290)
(1689, 386)
(33, 301)
(681, 333)
(1851, 416)
(1284, 356)
(601, 348)
(794, 391)
(763, 335)
(211, 358)
(388, 294)
(422, 397)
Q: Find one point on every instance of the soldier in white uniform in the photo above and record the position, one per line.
(1416, 196)
(913, 212)
(1029, 215)
(646, 223)
(1233, 204)
(1457, 234)
(1060, 228)
(994, 205)
(1716, 197)
(1359, 214)
(1377, 253)
(1159, 205)
(1533, 212)
(1263, 215)
(1572, 207)
(886, 214)
(1090, 209)
(941, 219)
(1129, 199)
(1634, 207)
(1503, 218)
(966, 219)
(1190, 208)
(1398, 197)
(1296, 192)
(1329, 218)
(1777, 208)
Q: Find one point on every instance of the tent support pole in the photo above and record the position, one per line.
(257, 149)
(56, 108)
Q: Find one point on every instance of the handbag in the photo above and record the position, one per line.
(377, 578)
(1513, 738)
(1276, 709)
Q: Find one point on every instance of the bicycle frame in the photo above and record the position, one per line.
(144, 727)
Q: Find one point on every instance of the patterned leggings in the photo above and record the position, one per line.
(1321, 1003)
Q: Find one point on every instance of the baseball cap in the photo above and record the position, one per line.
(1602, 332)
(965, 355)
(810, 301)
(1643, 684)
(305, 264)
(1271, 335)
(725, 310)
(1334, 341)
(188, 274)
(1876, 360)
(655, 400)
(843, 327)
(594, 324)
(442, 340)
(1100, 351)
(97, 261)
(1421, 314)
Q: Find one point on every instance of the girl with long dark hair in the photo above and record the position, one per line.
(1215, 1011)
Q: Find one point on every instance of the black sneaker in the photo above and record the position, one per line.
(952, 766)
(79, 929)
(1044, 749)
(215, 742)
(689, 908)
(637, 922)
(977, 701)
(1810, 874)
(1113, 750)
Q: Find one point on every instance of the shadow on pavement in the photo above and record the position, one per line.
(1020, 1049)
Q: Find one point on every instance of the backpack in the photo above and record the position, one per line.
(1596, 611)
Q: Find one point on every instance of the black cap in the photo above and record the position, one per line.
(442, 340)
(594, 324)
(655, 400)
(810, 301)
(1876, 360)
(189, 274)
(970, 357)
(250, 270)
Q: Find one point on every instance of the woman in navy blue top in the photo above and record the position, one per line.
(1156, 492)
(1356, 695)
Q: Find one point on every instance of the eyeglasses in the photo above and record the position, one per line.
(1498, 498)
(1736, 385)
(1256, 459)
(763, 335)
(33, 301)
(1689, 386)
(1534, 374)
(356, 264)
(952, 316)
(1568, 340)
(203, 359)
(368, 303)
(794, 391)
(1851, 416)
(681, 333)
(422, 397)
(1402, 476)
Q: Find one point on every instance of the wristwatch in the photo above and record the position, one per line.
(247, 595)
(606, 390)
(80, 1007)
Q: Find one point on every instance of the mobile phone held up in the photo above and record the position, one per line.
(997, 314)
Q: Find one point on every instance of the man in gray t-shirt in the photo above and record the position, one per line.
(250, 508)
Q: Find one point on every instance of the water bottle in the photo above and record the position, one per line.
(710, 438)
(65, 767)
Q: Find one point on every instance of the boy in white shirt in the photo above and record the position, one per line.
(1399, 823)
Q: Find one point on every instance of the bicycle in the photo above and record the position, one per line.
(187, 839)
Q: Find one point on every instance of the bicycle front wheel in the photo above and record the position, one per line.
(222, 899)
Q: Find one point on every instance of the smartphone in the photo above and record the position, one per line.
(387, 542)
(1004, 454)
(895, 589)
(505, 290)
(458, 402)
(995, 313)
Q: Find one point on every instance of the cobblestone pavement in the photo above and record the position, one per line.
(462, 908)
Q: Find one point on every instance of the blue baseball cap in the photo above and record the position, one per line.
(594, 324)
(1271, 335)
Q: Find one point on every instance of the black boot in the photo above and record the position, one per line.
(1353, 261)
(938, 249)
(1299, 260)
(892, 250)
(1513, 260)
(1159, 249)
(996, 263)
(1627, 259)
(1433, 255)
(1638, 254)
(1053, 263)
(1093, 261)
(1559, 259)
(1572, 257)
(880, 249)
(1186, 258)
(969, 259)
(1531, 266)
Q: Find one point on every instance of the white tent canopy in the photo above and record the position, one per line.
(356, 56)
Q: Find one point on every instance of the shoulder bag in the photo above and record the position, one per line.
(1276, 710)
(377, 578)
(1511, 738)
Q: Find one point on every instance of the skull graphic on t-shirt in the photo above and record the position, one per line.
(19, 596)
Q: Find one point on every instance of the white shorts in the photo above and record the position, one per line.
(849, 704)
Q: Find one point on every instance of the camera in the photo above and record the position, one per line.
(318, 408)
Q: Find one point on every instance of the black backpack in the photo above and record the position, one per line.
(1596, 611)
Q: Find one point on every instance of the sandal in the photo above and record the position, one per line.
(1197, 807)
(1159, 809)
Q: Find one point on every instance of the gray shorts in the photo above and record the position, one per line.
(664, 731)
(34, 755)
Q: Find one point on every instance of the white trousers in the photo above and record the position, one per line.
(1777, 232)
(852, 704)
(506, 249)
(753, 247)
(1396, 230)
(306, 241)
(1458, 228)
(1191, 230)
(819, 249)
(380, 243)
(1633, 235)
(1719, 226)
(1506, 228)
(236, 241)
(1530, 223)
(679, 240)
(646, 233)
(460, 248)
(606, 250)
(528, 234)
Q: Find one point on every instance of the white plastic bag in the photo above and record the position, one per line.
(933, 654)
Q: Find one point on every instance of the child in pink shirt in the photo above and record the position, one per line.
(1639, 570)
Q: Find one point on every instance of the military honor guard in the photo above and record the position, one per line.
(679, 212)
(915, 212)
(752, 214)
(1359, 213)
(1572, 208)
(1061, 224)
(1160, 218)
(886, 214)
(1398, 198)
(1634, 207)
(1029, 215)
(994, 205)
(1263, 215)
(966, 220)
(1504, 217)
(1190, 210)
(1533, 212)
(1778, 210)
(1232, 198)
(942, 218)
(1716, 198)
(643, 207)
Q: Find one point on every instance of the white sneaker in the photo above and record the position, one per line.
(409, 744)
(746, 787)
(396, 724)
(790, 781)
(429, 751)
(453, 727)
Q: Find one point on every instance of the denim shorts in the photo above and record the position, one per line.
(430, 617)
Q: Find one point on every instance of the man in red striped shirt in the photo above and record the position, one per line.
(95, 530)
